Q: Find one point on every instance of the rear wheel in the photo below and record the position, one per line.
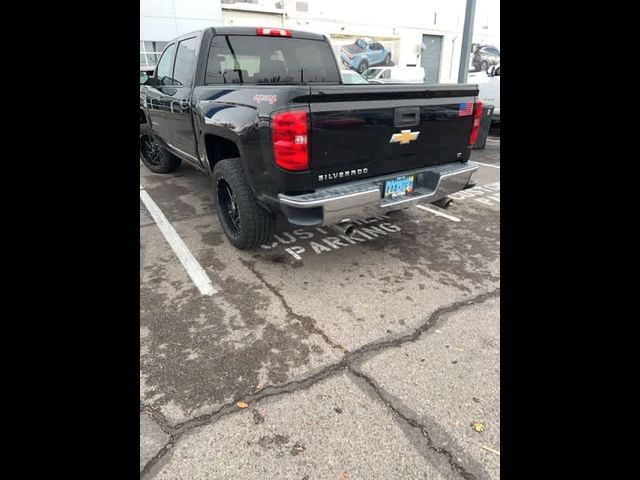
(156, 157)
(364, 64)
(484, 66)
(244, 221)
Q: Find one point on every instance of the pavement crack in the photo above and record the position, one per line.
(145, 472)
(229, 408)
(455, 465)
(345, 364)
(307, 322)
(157, 417)
(432, 321)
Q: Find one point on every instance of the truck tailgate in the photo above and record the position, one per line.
(366, 131)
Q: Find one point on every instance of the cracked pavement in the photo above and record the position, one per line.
(375, 358)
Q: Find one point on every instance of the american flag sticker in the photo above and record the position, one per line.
(466, 109)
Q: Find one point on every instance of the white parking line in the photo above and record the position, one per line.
(438, 214)
(190, 264)
(487, 165)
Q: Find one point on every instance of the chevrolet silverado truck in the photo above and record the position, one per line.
(265, 113)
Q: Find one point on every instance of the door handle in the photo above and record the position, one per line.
(406, 116)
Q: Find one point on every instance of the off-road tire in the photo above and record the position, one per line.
(155, 156)
(245, 222)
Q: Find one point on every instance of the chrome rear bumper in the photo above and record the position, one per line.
(363, 198)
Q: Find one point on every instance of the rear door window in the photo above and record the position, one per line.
(185, 61)
(164, 70)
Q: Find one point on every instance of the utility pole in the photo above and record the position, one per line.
(467, 37)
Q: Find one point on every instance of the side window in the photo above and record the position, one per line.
(183, 72)
(164, 70)
(377, 46)
(386, 74)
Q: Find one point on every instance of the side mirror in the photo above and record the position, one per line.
(153, 82)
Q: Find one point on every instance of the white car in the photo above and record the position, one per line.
(394, 75)
(352, 77)
(489, 86)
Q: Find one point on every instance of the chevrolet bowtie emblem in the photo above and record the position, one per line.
(405, 136)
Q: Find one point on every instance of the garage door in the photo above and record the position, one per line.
(430, 57)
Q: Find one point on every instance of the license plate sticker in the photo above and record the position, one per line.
(398, 187)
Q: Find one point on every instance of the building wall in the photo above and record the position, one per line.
(243, 18)
(397, 24)
(162, 20)
(400, 28)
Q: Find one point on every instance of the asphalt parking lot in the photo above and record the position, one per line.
(321, 356)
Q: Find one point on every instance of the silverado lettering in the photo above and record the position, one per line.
(347, 173)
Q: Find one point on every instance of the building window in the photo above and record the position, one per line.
(277, 4)
(150, 52)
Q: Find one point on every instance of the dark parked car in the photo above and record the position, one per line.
(483, 57)
(264, 112)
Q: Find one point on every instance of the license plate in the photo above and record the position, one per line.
(398, 187)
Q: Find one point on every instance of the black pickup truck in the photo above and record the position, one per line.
(264, 112)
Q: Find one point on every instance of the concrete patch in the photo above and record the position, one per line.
(318, 433)
(450, 380)
(387, 286)
(278, 318)
(199, 353)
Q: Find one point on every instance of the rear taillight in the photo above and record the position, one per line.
(477, 119)
(274, 32)
(290, 132)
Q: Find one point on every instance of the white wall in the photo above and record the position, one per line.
(404, 20)
(163, 20)
(238, 18)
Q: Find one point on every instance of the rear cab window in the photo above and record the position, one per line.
(272, 60)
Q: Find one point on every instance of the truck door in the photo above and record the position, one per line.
(156, 98)
(181, 132)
